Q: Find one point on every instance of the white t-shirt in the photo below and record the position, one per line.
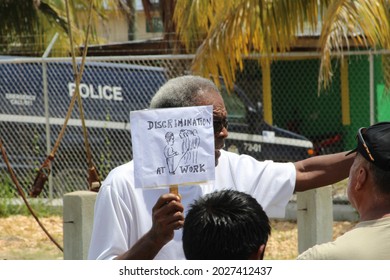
(123, 213)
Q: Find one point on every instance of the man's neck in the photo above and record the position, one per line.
(375, 214)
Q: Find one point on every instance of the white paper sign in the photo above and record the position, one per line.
(173, 146)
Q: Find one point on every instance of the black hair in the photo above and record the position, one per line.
(225, 224)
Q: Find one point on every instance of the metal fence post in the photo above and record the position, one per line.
(372, 88)
(46, 104)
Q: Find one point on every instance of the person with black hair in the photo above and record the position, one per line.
(369, 193)
(225, 225)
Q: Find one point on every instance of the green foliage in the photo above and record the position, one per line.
(28, 26)
(7, 195)
(12, 204)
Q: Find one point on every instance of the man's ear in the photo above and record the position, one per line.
(361, 177)
(259, 254)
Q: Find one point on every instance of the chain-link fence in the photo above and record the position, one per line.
(35, 95)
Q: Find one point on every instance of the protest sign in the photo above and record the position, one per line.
(173, 146)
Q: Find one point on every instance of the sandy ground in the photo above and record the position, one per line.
(21, 238)
(283, 243)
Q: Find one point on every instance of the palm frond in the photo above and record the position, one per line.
(194, 18)
(365, 22)
(235, 29)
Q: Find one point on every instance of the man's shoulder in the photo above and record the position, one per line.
(124, 167)
(227, 158)
(346, 246)
(225, 153)
(317, 252)
(233, 161)
(121, 172)
(234, 158)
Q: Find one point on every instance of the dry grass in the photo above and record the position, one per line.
(283, 243)
(21, 238)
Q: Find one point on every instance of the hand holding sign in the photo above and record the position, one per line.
(173, 146)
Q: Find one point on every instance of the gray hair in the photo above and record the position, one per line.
(182, 91)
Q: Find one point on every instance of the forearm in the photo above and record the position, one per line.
(322, 170)
(146, 248)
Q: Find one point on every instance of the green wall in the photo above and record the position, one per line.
(297, 106)
(382, 103)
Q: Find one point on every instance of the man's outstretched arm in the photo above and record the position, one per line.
(322, 170)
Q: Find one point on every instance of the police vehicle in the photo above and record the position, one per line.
(34, 101)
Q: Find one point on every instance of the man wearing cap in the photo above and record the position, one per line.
(369, 193)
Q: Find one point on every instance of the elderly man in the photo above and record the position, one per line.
(369, 193)
(136, 223)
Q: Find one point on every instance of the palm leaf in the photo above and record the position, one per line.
(365, 22)
(230, 30)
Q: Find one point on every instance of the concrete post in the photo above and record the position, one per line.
(78, 211)
(314, 217)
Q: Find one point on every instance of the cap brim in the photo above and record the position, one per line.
(351, 152)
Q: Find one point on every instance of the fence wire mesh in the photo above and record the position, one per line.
(35, 95)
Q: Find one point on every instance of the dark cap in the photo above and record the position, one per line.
(373, 143)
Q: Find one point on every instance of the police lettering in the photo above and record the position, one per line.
(101, 92)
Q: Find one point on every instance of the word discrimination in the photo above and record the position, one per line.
(182, 122)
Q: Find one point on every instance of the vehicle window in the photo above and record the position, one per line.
(234, 106)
